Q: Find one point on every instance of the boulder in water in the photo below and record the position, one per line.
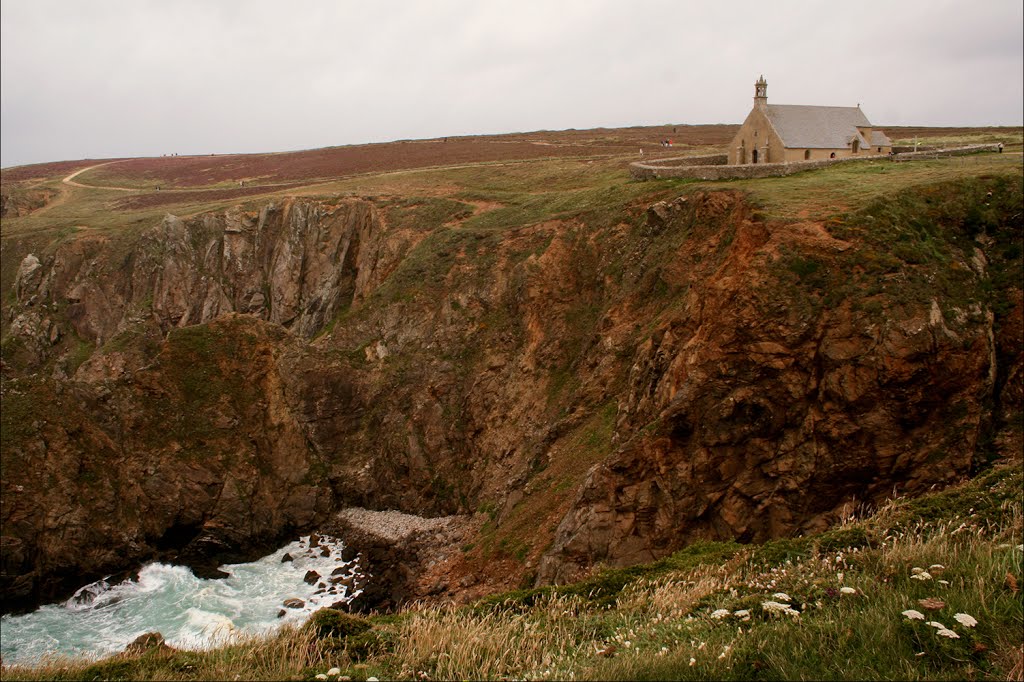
(209, 572)
(287, 557)
(311, 577)
(87, 595)
(293, 603)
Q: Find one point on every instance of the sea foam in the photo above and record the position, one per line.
(191, 613)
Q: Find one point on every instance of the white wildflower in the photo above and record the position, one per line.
(936, 568)
(321, 676)
(913, 614)
(936, 624)
(966, 620)
(725, 652)
(334, 671)
(693, 661)
(781, 596)
(915, 570)
(627, 644)
(701, 647)
(948, 633)
(664, 650)
(776, 607)
(847, 590)
(742, 614)
(720, 614)
(923, 575)
(943, 582)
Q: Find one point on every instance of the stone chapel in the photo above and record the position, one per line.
(784, 133)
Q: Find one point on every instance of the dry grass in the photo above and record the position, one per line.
(452, 643)
(280, 657)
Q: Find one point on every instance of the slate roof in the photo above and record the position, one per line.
(812, 127)
(880, 139)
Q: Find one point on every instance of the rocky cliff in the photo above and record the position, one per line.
(603, 388)
(293, 263)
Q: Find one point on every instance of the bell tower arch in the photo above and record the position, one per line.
(761, 92)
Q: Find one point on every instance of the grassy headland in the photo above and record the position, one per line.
(712, 610)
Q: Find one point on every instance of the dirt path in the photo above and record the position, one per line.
(65, 194)
(478, 208)
(70, 180)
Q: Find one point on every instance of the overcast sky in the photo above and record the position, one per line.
(104, 78)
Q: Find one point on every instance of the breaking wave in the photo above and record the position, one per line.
(191, 613)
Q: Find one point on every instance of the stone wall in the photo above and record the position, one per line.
(900, 149)
(703, 168)
(686, 161)
(936, 153)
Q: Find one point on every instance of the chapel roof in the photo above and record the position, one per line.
(880, 139)
(815, 127)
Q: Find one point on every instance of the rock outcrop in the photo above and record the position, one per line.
(400, 553)
(294, 263)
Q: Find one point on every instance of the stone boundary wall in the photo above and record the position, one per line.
(686, 161)
(954, 151)
(900, 149)
(703, 168)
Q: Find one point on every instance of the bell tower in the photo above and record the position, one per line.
(761, 92)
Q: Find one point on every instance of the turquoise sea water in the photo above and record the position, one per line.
(191, 613)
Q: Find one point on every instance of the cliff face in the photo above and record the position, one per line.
(616, 387)
(294, 264)
(777, 410)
